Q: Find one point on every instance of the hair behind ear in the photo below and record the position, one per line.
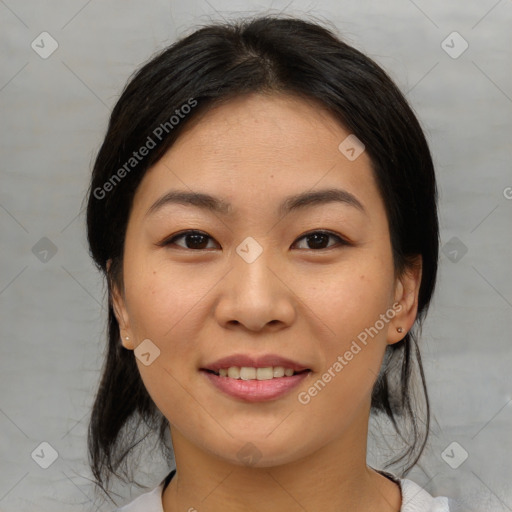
(394, 395)
(121, 405)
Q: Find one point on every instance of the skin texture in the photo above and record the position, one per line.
(295, 300)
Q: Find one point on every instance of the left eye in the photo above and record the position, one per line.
(198, 240)
(317, 238)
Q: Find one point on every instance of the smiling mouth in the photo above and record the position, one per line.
(251, 373)
(250, 384)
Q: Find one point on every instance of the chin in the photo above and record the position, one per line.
(261, 453)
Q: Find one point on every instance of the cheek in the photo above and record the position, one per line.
(351, 306)
(161, 299)
(351, 299)
(353, 344)
(163, 305)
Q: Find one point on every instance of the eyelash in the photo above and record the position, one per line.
(171, 240)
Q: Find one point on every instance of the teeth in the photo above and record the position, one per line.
(234, 372)
(265, 373)
(278, 371)
(248, 373)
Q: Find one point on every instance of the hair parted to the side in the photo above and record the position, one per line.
(266, 54)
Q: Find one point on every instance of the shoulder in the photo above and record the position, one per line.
(150, 501)
(416, 499)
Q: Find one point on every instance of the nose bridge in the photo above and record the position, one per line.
(253, 294)
(251, 263)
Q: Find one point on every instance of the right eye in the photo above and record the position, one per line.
(194, 240)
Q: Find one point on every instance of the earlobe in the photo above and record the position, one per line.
(406, 294)
(122, 320)
(121, 314)
(126, 342)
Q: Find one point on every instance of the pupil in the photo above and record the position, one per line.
(318, 238)
(196, 240)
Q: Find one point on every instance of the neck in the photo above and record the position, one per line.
(333, 479)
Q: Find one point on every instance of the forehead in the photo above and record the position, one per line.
(276, 127)
(257, 149)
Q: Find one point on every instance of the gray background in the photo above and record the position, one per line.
(52, 323)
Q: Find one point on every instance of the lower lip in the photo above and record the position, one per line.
(256, 390)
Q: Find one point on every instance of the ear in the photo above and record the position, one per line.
(120, 311)
(407, 288)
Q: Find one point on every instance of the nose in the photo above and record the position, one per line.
(256, 294)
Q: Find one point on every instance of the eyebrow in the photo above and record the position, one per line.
(291, 203)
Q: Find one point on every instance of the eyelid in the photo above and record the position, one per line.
(168, 240)
(341, 240)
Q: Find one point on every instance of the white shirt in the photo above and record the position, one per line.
(414, 498)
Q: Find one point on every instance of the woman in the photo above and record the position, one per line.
(264, 208)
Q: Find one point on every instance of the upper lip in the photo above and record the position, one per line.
(262, 361)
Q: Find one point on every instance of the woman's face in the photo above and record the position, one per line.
(262, 278)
